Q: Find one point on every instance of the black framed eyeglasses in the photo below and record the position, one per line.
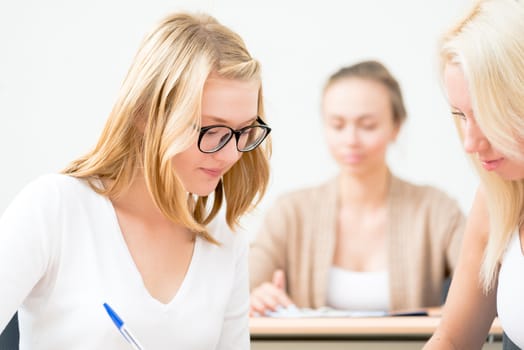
(213, 138)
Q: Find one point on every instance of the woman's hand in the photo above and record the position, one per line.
(270, 296)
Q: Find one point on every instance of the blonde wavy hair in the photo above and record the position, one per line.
(488, 45)
(158, 115)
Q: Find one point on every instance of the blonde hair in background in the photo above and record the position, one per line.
(374, 71)
(488, 44)
(158, 115)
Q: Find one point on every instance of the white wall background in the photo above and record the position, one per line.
(62, 62)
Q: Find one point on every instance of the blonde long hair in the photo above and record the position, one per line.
(157, 115)
(488, 44)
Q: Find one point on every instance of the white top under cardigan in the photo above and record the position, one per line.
(357, 291)
(62, 255)
(510, 292)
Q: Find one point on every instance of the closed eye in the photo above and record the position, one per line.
(460, 115)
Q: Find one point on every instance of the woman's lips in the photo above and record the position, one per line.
(352, 158)
(212, 172)
(491, 165)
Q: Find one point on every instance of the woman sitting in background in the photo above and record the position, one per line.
(366, 240)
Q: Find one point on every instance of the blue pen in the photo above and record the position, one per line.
(122, 328)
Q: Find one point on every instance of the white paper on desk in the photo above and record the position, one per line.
(293, 312)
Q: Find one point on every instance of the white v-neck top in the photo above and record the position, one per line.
(62, 255)
(357, 291)
(510, 292)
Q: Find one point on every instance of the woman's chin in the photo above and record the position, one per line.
(203, 191)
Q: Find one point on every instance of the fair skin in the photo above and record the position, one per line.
(469, 312)
(161, 249)
(359, 127)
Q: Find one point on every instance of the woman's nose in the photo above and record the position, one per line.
(229, 152)
(474, 139)
(351, 135)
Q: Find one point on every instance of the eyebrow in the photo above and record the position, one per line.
(360, 117)
(215, 119)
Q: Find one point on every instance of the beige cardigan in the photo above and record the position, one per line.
(299, 231)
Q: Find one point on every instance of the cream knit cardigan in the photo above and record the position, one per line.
(299, 231)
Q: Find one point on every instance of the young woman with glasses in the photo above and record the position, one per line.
(134, 223)
(366, 240)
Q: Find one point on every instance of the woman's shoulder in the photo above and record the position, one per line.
(44, 202)
(309, 194)
(52, 191)
(420, 194)
(47, 185)
(56, 180)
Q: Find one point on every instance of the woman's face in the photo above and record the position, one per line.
(233, 103)
(359, 126)
(474, 140)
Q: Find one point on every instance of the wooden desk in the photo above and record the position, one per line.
(350, 333)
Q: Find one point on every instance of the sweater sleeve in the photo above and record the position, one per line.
(26, 247)
(447, 223)
(235, 329)
(268, 249)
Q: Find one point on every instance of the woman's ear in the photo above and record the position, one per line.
(396, 131)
